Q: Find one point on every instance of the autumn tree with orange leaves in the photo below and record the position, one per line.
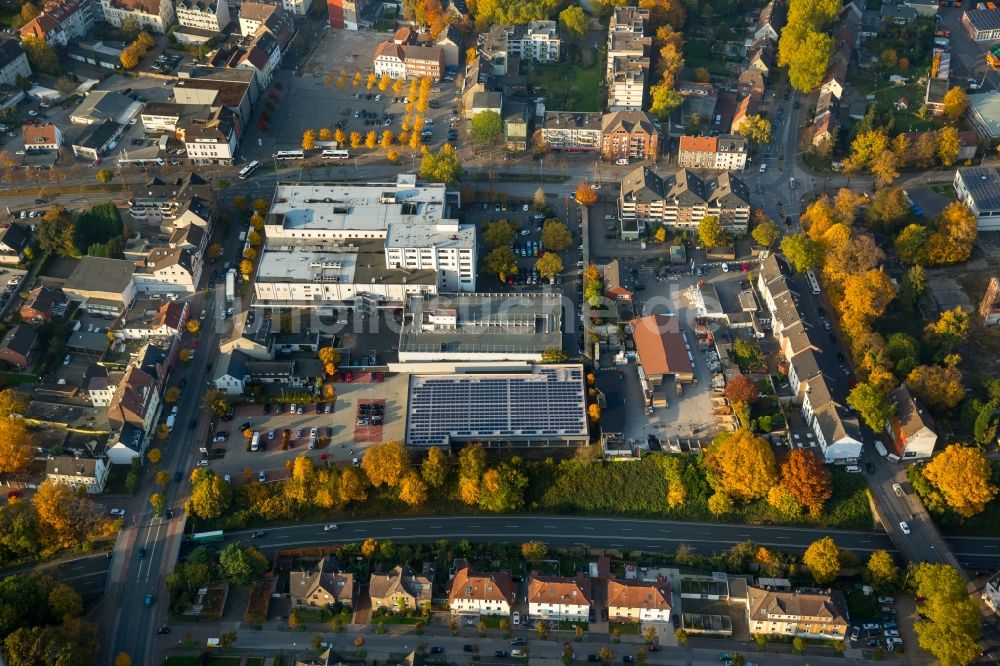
(805, 477)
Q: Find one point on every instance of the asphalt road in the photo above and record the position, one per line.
(648, 535)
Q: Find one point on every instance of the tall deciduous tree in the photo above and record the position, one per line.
(955, 103)
(952, 626)
(806, 479)
(443, 166)
(434, 469)
(963, 475)
(486, 127)
(385, 464)
(499, 233)
(822, 557)
(501, 261)
(954, 235)
(710, 232)
(586, 195)
(556, 236)
(872, 404)
(210, 496)
(936, 386)
(881, 570)
(756, 129)
(765, 233)
(574, 21)
(742, 466)
(804, 252)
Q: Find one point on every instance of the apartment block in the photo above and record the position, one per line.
(681, 199)
(210, 16)
(152, 15)
(629, 135)
(572, 131)
(61, 22)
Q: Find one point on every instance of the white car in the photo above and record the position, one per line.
(763, 167)
(904, 528)
(898, 489)
(622, 161)
(203, 462)
(67, 360)
(118, 513)
(725, 268)
(516, 618)
(330, 528)
(524, 208)
(32, 113)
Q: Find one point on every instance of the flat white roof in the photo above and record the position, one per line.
(305, 264)
(350, 206)
(443, 237)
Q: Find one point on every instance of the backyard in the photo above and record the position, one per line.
(570, 86)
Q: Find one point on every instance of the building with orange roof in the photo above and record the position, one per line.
(639, 600)
(480, 592)
(556, 598)
(660, 347)
(726, 152)
(42, 137)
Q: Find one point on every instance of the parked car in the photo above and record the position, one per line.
(904, 528)
(331, 527)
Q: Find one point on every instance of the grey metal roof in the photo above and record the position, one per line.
(983, 19)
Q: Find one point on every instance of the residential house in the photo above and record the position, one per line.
(352, 14)
(762, 57)
(911, 429)
(825, 129)
(979, 189)
(214, 140)
(538, 41)
(898, 14)
(42, 137)
(125, 444)
(231, 373)
(632, 600)
(18, 346)
(44, 304)
(325, 585)
(746, 107)
(682, 199)
(100, 384)
(76, 472)
(450, 43)
(726, 152)
(209, 15)
(968, 143)
(571, 131)
(555, 598)
(750, 82)
(837, 431)
(61, 22)
(136, 402)
(14, 240)
(169, 270)
(481, 593)
(13, 62)
(613, 287)
(400, 589)
(152, 15)
(518, 120)
(811, 614)
(297, 7)
(153, 318)
(771, 21)
(409, 61)
(629, 135)
(934, 98)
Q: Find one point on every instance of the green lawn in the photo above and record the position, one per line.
(16, 378)
(568, 86)
(861, 607)
(625, 628)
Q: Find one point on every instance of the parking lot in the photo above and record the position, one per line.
(340, 448)
(314, 101)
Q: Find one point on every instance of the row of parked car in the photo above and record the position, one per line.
(880, 634)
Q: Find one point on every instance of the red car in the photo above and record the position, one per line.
(15, 493)
(378, 377)
(349, 377)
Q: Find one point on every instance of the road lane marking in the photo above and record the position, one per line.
(435, 527)
(585, 527)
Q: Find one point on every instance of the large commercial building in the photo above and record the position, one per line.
(545, 405)
(480, 327)
(682, 199)
(335, 242)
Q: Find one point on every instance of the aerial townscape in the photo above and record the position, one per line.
(442, 332)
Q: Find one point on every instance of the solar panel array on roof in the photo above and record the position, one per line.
(546, 404)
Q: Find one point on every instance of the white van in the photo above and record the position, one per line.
(880, 447)
(853, 469)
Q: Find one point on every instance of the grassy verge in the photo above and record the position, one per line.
(625, 628)
(16, 378)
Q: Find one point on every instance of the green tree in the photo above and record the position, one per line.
(41, 56)
(216, 402)
(574, 21)
(54, 232)
(549, 265)
(157, 502)
(765, 233)
(948, 145)
(210, 496)
(955, 104)
(486, 127)
(756, 129)
(962, 474)
(804, 253)
(873, 404)
(538, 202)
(242, 564)
(554, 355)
(503, 488)
(710, 232)
(663, 100)
(747, 354)
(534, 550)
(881, 571)
(556, 236)
(952, 627)
(499, 233)
(822, 558)
(742, 466)
(443, 166)
(809, 62)
(434, 470)
(502, 262)
(261, 206)
(949, 331)
(911, 244)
